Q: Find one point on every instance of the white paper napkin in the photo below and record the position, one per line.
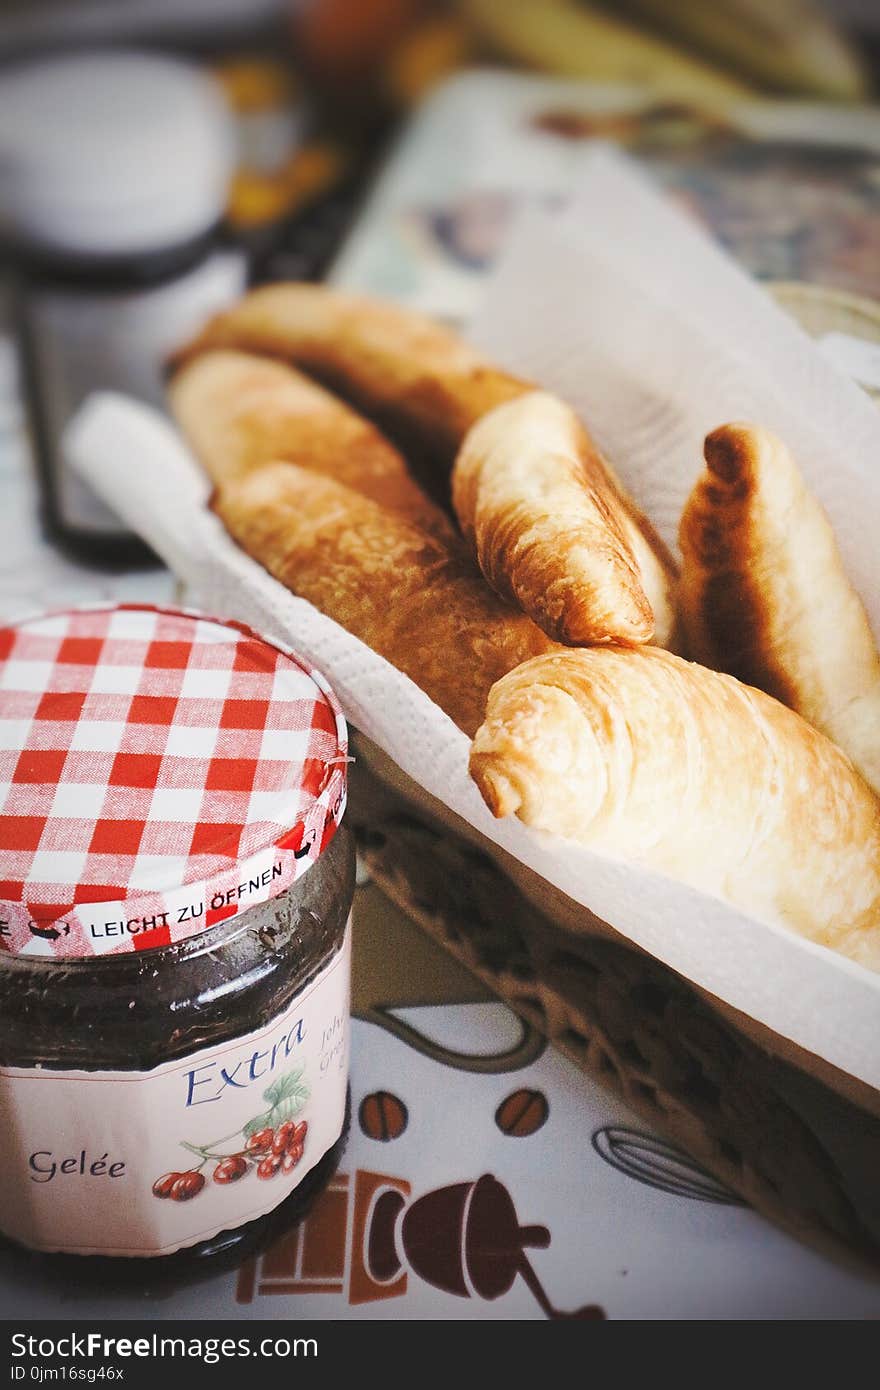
(637, 319)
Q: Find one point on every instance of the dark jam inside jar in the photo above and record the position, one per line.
(137, 1010)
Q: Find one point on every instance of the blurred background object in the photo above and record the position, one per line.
(686, 47)
(35, 25)
(111, 155)
(572, 39)
(821, 48)
(114, 180)
(790, 45)
(156, 155)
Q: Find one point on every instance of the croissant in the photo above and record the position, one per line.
(239, 411)
(553, 529)
(640, 755)
(764, 594)
(416, 601)
(421, 382)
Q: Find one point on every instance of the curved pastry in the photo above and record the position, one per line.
(552, 526)
(239, 411)
(647, 758)
(418, 380)
(417, 602)
(764, 594)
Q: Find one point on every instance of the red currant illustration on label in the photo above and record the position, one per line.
(268, 1167)
(162, 1186)
(260, 1143)
(272, 1142)
(283, 1137)
(188, 1185)
(231, 1169)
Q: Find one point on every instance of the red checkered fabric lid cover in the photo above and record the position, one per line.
(160, 771)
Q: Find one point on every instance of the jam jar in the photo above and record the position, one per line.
(174, 937)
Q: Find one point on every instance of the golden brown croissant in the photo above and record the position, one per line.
(417, 379)
(553, 529)
(417, 602)
(764, 594)
(647, 758)
(239, 411)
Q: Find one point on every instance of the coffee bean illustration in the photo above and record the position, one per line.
(522, 1113)
(382, 1116)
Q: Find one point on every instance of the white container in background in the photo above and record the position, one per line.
(114, 173)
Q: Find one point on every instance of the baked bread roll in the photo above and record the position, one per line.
(418, 380)
(647, 758)
(417, 602)
(239, 411)
(764, 594)
(553, 529)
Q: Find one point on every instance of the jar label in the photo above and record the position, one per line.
(145, 1163)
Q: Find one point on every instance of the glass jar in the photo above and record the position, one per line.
(179, 1102)
(115, 169)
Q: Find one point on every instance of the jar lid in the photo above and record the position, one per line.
(112, 154)
(160, 771)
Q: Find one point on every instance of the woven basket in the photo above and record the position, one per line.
(795, 1139)
(801, 1154)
